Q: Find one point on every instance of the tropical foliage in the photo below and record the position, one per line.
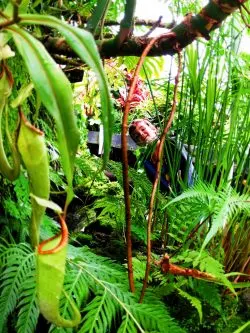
(88, 244)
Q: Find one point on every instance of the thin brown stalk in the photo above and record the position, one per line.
(15, 18)
(157, 177)
(125, 157)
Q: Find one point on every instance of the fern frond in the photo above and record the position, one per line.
(222, 209)
(99, 314)
(200, 191)
(209, 292)
(76, 288)
(15, 271)
(116, 292)
(100, 267)
(228, 204)
(28, 306)
(195, 302)
(207, 264)
(106, 280)
(154, 317)
(127, 325)
(11, 252)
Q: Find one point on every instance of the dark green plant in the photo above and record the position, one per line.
(209, 123)
(97, 285)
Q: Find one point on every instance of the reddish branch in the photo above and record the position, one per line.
(125, 157)
(167, 267)
(158, 157)
(208, 19)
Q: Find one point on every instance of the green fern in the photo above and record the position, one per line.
(28, 306)
(100, 313)
(154, 317)
(127, 325)
(209, 293)
(17, 264)
(204, 200)
(195, 302)
(112, 299)
(205, 263)
(229, 203)
(96, 284)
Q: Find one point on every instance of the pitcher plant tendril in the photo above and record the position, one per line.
(63, 242)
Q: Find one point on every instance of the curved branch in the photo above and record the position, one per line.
(193, 26)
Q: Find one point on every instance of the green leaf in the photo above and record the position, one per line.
(83, 44)
(16, 269)
(50, 277)
(195, 302)
(127, 325)
(24, 93)
(98, 15)
(55, 93)
(243, 327)
(28, 308)
(47, 204)
(100, 313)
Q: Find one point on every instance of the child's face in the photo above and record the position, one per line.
(142, 131)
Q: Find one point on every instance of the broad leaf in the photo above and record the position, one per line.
(83, 44)
(47, 204)
(55, 92)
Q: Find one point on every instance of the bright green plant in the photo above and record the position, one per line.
(97, 285)
(55, 93)
(212, 121)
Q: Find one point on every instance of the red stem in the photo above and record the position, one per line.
(125, 157)
(156, 181)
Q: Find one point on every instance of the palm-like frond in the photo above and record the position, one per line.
(209, 292)
(228, 204)
(18, 263)
(9, 252)
(96, 284)
(127, 326)
(195, 302)
(154, 317)
(112, 299)
(200, 191)
(28, 306)
(222, 205)
(100, 313)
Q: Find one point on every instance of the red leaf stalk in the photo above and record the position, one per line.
(125, 156)
(157, 177)
(167, 267)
